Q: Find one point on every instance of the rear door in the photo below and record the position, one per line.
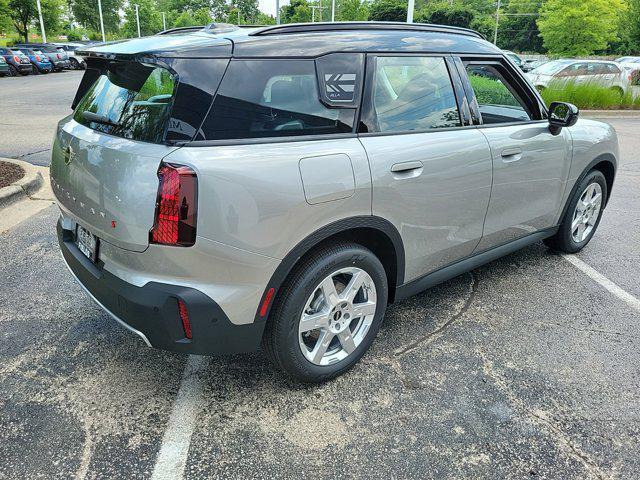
(431, 169)
(530, 165)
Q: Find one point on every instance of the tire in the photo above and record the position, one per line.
(74, 64)
(303, 293)
(35, 71)
(13, 70)
(618, 90)
(568, 239)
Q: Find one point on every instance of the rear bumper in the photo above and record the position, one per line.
(24, 67)
(151, 311)
(60, 64)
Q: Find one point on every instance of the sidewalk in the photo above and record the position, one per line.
(26, 197)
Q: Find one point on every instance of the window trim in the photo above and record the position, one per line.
(367, 109)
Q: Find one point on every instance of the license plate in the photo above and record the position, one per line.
(87, 243)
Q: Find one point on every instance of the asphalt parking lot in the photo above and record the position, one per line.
(528, 367)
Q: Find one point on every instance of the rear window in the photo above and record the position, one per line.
(129, 100)
(274, 98)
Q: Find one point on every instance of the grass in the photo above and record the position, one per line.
(590, 96)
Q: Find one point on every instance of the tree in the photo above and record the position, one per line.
(519, 31)
(352, 10)
(297, 11)
(5, 17)
(150, 19)
(86, 14)
(456, 16)
(579, 27)
(388, 11)
(23, 12)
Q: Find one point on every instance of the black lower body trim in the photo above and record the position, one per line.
(152, 310)
(469, 263)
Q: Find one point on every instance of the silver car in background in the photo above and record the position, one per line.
(580, 72)
(229, 188)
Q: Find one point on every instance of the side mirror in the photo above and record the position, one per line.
(562, 114)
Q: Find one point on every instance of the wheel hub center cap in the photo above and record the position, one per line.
(340, 317)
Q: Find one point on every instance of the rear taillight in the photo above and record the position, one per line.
(184, 316)
(37, 58)
(59, 57)
(16, 59)
(176, 206)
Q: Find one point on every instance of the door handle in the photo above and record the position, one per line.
(406, 166)
(511, 154)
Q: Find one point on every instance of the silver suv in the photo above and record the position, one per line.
(226, 188)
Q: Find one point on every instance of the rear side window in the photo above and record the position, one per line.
(412, 94)
(275, 98)
(129, 100)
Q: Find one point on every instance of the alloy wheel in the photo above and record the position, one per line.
(586, 212)
(337, 316)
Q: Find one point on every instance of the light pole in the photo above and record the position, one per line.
(44, 35)
(333, 10)
(277, 12)
(164, 22)
(410, 11)
(104, 39)
(137, 19)
(495, 33)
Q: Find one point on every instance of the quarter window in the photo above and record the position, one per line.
(497, 100)
(412, 94)
(272, 98)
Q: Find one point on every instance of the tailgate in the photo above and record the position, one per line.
(108, 184)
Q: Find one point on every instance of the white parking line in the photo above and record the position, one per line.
(174, 450)
(603, 281)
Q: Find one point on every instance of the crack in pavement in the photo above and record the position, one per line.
(562, 439)
(473, 288)
(17, 157)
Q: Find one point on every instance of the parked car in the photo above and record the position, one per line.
(306, 195)
(18, 62)
(599, 72)
(39, 61)
(76, 62)
(514, 58)
(57, 56)
(4, 68)
(632, 65)
(531, 64)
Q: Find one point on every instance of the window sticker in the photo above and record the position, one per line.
(340, 87)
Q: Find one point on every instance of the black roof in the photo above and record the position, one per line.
(300, 40)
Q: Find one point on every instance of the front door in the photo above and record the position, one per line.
(530, 165)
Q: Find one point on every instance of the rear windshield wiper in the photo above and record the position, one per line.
(94, 117)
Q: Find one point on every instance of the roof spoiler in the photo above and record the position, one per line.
(340, 26)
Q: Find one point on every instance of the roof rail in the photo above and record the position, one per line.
(337, 26)
(174, 31)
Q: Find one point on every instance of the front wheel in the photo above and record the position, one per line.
(328, 313)
(583, 215)
(13, 71)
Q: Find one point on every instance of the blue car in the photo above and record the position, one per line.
(39, 61)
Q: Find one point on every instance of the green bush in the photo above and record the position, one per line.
(76, 35)
(590, 96)
(388, 11)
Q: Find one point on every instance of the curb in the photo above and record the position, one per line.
(611, 113)
(23, 188)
